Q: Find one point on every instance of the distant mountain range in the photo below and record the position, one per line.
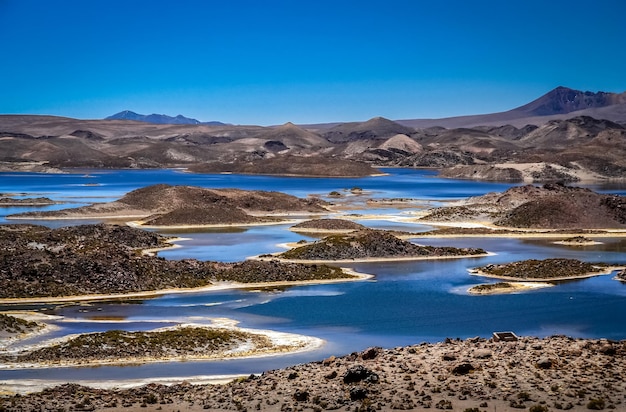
(564, 135)
(557, 104)
(158, 118)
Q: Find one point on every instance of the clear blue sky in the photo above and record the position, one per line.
(271, 61)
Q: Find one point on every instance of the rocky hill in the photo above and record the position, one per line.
(552, 206)
(36, 261)
(189, 205)
(369, 244)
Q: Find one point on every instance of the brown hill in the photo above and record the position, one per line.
(552, 206)
(286, 165)
(188, 205)
(376, 128)
(578, 209)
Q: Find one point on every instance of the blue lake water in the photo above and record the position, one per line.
(406, 302)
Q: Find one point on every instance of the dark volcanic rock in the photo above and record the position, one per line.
(360, 373)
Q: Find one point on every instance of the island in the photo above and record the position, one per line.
(11, 200)
(179, 343)
(170, 206)
(534, 270)
(102, 260)
(505, 287)
(327, 226)
(371, 245)
(578, 241)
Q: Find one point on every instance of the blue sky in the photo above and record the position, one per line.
(269, 62)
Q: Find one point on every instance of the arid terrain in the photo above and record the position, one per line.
(562, 137)
(565, 135)
(555, 373)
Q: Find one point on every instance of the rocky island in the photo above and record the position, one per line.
(372, 245)
(327, 226)
(166, 205)
(179, 343)
(38, 262)
(544, 270)
(11, 200)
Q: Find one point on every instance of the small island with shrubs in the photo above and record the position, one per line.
(534, 270)
(370, 245)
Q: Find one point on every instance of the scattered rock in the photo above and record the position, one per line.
(360, 373)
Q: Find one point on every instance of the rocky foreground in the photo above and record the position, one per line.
(555, 373)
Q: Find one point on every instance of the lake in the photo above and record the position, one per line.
(406, 302)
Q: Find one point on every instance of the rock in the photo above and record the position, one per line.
(483, 354)
(449, 357)
(370, 353)
(357, 394)
(331, 375)
(544, 363)
(328, 361)
(607, 349)
(360, 373)
(301, 396)
(463, 368)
